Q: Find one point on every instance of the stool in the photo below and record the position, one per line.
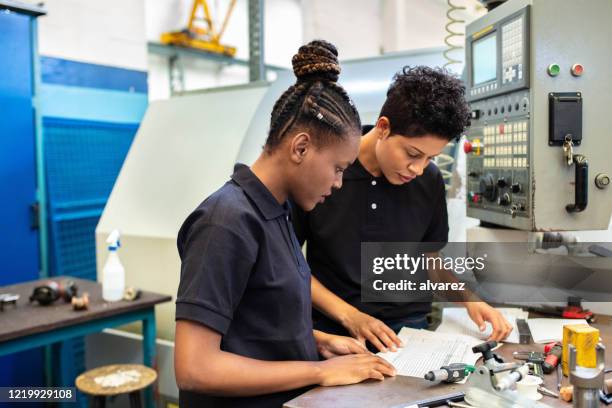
(143, 377)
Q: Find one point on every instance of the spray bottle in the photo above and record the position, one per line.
(113, 274)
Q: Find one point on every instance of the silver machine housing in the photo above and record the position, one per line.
(518, 174)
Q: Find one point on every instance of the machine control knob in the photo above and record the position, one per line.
(468, 147)
(504, 200)
(515, 188)
(474, 197)
(501, 182)
(488, 188)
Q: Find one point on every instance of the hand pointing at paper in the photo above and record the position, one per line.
(480, 313)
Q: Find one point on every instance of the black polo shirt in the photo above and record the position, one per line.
(370, 209)
(243, 275)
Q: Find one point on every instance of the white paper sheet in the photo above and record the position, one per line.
(424, 351)
(546, 330)
(457, 321)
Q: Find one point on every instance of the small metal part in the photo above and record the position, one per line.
(524, 332)
(587, 382)
(491, 360)
(602, 180)
(568, 150)
(8, 299)
(433, 401)
(546, 391)
(80, 303)
(458, 405)
(507, 381)
(131, 293)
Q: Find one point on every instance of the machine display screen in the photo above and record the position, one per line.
(484, 59)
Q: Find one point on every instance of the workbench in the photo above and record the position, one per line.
(30, 325)
(403, 390)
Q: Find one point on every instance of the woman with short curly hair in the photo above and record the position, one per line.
(392, 193)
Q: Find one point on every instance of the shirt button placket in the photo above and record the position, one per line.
(373, 205)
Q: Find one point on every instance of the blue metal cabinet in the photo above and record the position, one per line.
(19, 251)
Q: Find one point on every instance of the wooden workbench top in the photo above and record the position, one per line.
(403, 390)
(30, 318)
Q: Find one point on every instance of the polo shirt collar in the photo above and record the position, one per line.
(356, 171)
(258, 193)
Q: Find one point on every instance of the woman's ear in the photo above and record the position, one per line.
(300, 145)
(383, 126)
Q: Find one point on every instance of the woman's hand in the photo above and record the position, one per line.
(365, 327)
(330, 345)
(353, 368)
(480, 312)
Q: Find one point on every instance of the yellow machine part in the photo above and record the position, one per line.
(183, 39)
(202, 37)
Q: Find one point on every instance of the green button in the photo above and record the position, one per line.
(554, 69)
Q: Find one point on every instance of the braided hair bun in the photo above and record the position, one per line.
(316, 61)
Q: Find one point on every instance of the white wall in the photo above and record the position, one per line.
(415, 24)
(354, 26)
(365, 28)
(110, 32)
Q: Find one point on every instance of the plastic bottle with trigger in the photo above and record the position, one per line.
(113, 274)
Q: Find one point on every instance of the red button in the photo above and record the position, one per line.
(467, 147)
(577, 69)
(476, 198)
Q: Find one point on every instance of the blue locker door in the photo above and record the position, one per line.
(19, 256)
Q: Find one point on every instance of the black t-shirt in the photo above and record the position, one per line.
(243, 275)
(370, 209)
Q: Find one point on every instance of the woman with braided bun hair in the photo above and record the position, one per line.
(244, 333)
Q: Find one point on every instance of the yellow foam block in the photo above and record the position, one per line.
(584, 338)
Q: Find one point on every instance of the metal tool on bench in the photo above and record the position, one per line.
(450, 373)
(534, 358)
(605, 394)
(489, 358)
(491, 384)
(51, 291)
(545, 391)
(8, 299)
(433, 402)
(587, 382)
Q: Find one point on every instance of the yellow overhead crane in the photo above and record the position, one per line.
(200, 32)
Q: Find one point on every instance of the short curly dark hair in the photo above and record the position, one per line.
(423, 100)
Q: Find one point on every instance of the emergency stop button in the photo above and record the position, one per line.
(468, 147)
